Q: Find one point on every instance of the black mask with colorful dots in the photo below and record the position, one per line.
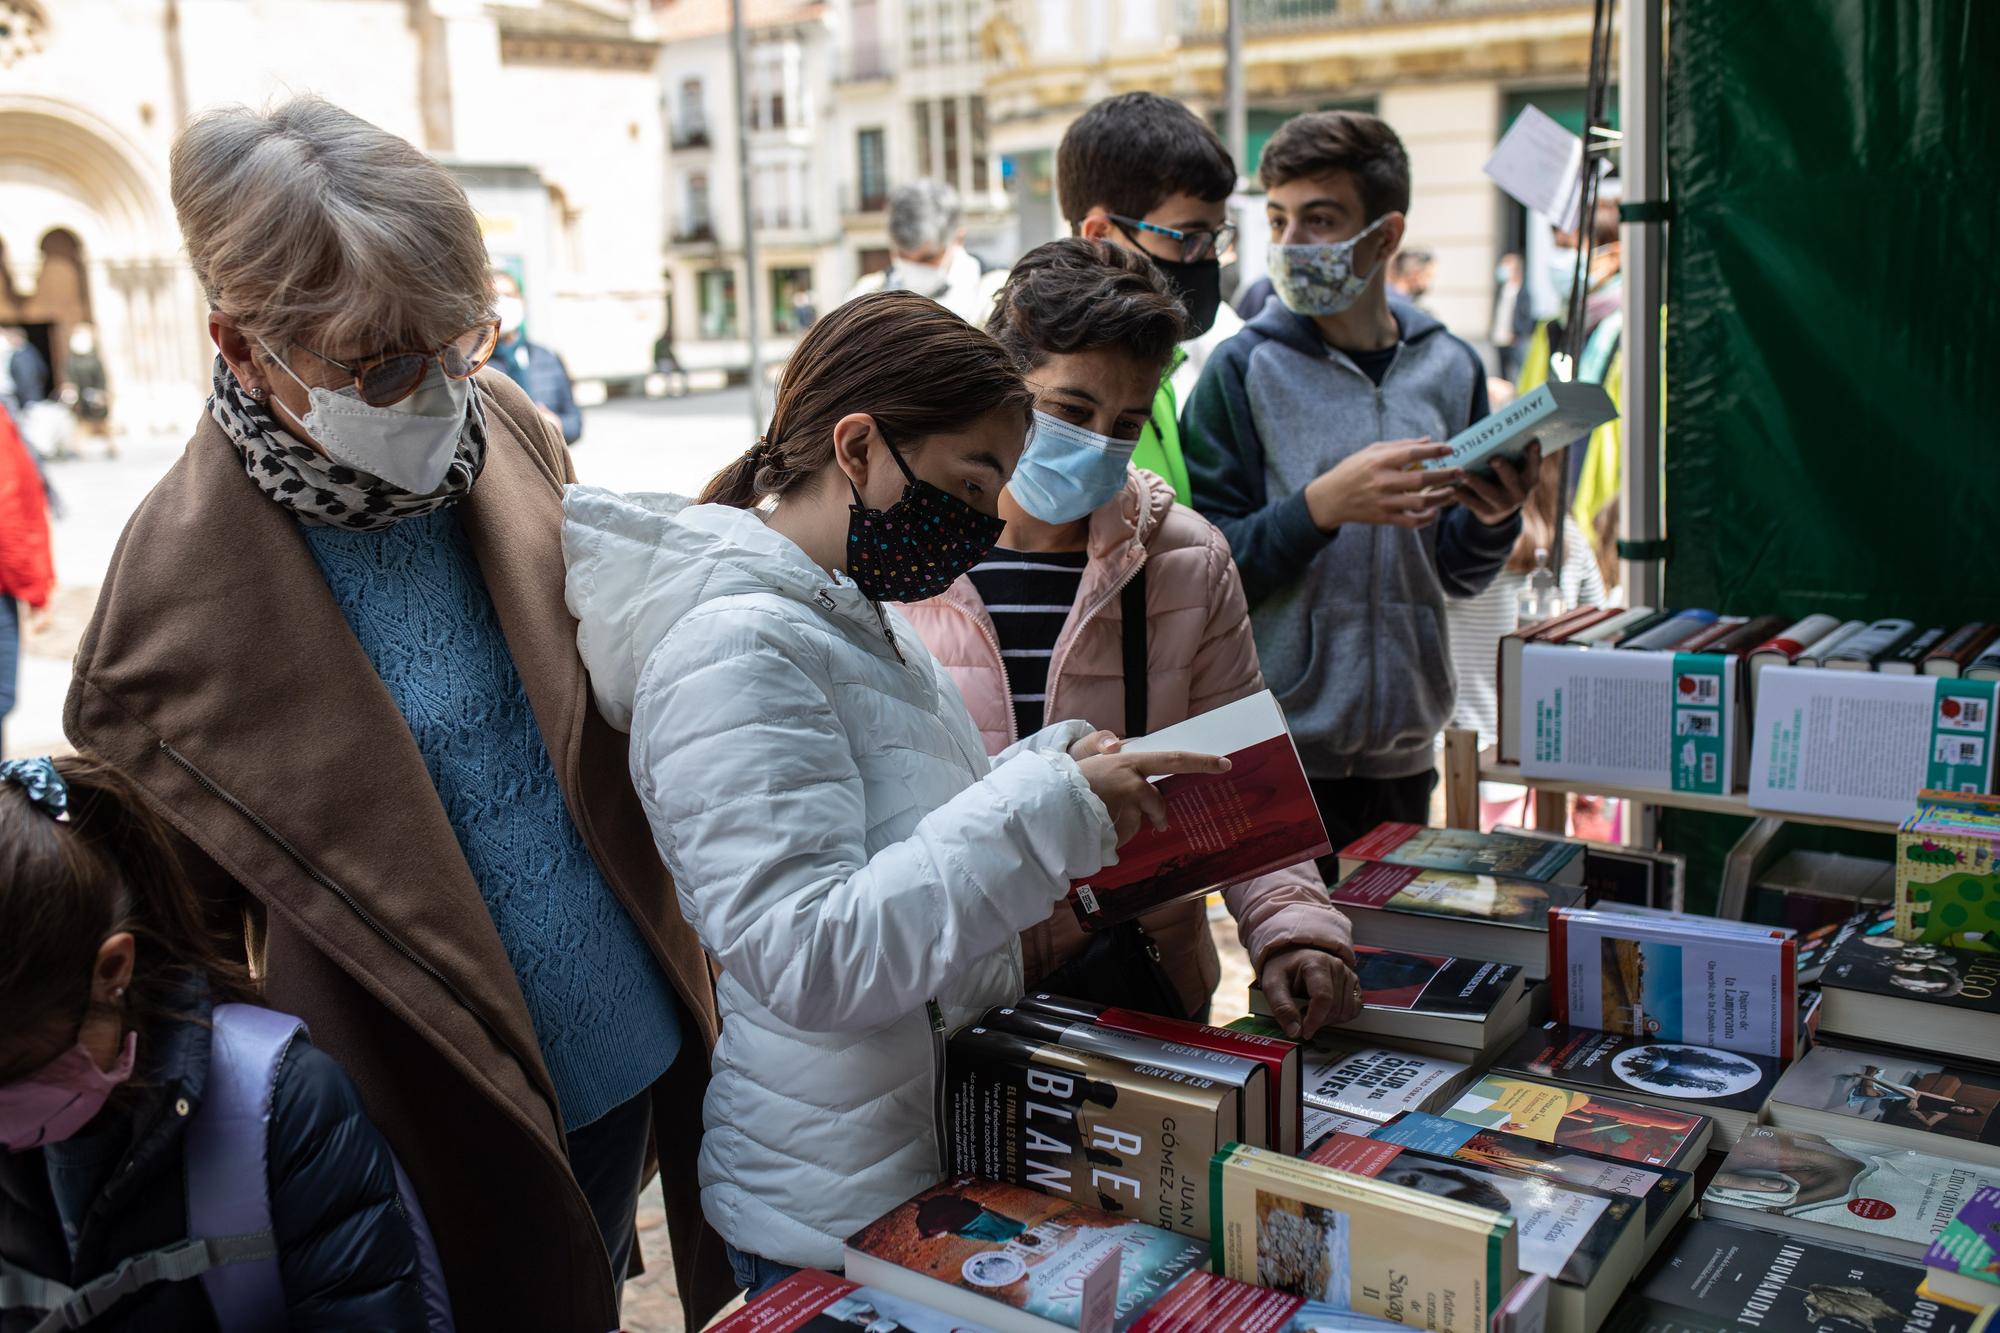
(919, 545)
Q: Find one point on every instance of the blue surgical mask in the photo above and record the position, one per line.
(1066, 472)
(1562, 272)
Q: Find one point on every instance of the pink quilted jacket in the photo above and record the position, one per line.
(1199, 655)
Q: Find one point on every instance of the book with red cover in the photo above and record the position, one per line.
(1222, 828)
(810, 1301)
(1960, 649)
(1278, 1056)
(1211, 1303)
(1740, 637)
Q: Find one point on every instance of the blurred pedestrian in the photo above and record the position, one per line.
(24, 373)
(85, 390)
(1513, 316)
(928, 254)
(1410, 276)
(333, 650)
(537, 369)
(27, 567)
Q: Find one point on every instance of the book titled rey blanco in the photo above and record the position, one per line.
(1222, 828)
(1861, 744)
(1664, 721)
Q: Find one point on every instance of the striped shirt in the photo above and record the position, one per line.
(1029, 595)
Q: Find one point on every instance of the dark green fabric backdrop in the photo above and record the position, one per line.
(1833, 333)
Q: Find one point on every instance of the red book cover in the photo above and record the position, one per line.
(1222, 828)
(1211, 1303)
(1378, 842)
(1355, 1155)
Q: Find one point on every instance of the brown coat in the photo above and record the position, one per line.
(220, 675)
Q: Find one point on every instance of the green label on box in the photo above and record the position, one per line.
(1961, 736)
(1699, 716)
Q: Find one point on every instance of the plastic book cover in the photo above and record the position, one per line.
(1223, 828)
(1026, 1249)
(1675, 980)
(1970, 1244)
(1896, 1088)
(1622, 1065)
(1658, 1186)
(1520, 903)
(1885, 1199)
(1937, 974)
(1628, 1131)
(1467, 851)
(810, 1301)
(1723, 1278)
(1566, 1233)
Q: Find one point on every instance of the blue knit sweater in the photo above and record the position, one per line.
(604, 1012)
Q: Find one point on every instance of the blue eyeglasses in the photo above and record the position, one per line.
(1196, 245)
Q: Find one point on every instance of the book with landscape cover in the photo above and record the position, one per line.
(1877, 988)
(1250, 1078)
(1467, 851)
(1211, 1303)
(1692, 979)
(1223, 828)
(1590, 1242)
(1730, 1087)
(1088, 1126)
(1897, 1097)
(1964, 1261)
(1723, 1278)
(1012, 1258)
(1948, 872)
(1360, 1244)
(1556, 412)
(1611, 1126)
(1842, 1191)
(1279, 1055)
(1453, 912)
(810, 1301)
(1666, 1192)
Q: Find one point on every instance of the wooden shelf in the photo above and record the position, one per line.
(1735, 803)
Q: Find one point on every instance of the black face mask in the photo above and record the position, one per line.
(1199, 287)
(918, 546)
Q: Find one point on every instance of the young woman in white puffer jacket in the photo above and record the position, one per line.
(857, 866)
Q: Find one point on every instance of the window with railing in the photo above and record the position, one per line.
(691, 116)
(871, 171)
(920, 117)
(696, 224)
(950, 118)
(982, 163)
(715, 293)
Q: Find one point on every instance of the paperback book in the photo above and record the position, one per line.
(1877, 988)
(1963, 1261)
(1674, 979)
(1014, 1259)
(1460, 1003)
(1894, 1097)
(1948, 872)
(1841, 1191)
(1223, 828)
(810, 1301)
(1360, 1244)
(1278, 1055)
(1728, 1086)
(1611, 1126)
(1094, 1128)
(1211, 1303)
(1467, 851)
(1453, 913)
(1723, 1278)
(1556, 413)
(1366, 1083)
(1658, 720)
(1817, 947)
(1666, 1193)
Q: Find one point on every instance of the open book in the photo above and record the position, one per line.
(1222, 828)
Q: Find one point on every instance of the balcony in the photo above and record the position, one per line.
(855, 201)
(1207, 20)
(865, 62)
(694, 134)
(694, 231)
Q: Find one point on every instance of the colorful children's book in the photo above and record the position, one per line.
(1964, 1261)
(1589, 1122)
(1948, 872)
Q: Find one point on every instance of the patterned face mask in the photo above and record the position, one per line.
(919, 545)
(1320, 279)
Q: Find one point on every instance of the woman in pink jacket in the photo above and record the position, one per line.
(1098, 568)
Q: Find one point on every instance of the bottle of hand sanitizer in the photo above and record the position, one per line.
(1540, 598)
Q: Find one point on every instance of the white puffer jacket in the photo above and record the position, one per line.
(840, 842)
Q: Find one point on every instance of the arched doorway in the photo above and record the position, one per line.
(57, 302)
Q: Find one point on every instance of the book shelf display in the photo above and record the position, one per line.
(1755, 854)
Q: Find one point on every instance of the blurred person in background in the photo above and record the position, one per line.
(332, 652)
(928, 254)
(24, 374)
(1513, 318)
(1410, 275)
(84, 388)
(27, 570)
(537, 369)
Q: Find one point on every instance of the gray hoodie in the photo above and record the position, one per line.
(1349, 624)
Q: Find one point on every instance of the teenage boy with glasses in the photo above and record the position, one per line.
(1143, 172)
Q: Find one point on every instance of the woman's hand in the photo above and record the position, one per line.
(1096, 743)
(1308, 988)
(1121, 782)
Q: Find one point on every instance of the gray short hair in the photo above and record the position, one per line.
(305, 223)
(921, 213)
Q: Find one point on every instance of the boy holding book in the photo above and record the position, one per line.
(1305, 442)
(1145, 173)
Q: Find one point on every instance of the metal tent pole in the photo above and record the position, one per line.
(1236, 125)
(739, 44)
(1644, 249)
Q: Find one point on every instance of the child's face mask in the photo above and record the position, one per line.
(61, 1097)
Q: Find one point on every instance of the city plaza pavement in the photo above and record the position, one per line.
(668, 444)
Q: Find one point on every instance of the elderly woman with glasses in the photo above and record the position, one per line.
(332, 652)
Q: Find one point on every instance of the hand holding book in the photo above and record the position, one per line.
(1496, 496)
(1385, 483)
(1309, 987)
(1124, 781)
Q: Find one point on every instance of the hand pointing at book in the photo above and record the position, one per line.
(1124, 781)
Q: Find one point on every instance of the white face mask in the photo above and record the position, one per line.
(923, 279)
(513, 313)
(410, 445)
(1562, 272)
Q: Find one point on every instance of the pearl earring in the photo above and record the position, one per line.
(260, 393)
(118, 992)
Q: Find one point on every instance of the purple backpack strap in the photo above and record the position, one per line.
(228, 1171)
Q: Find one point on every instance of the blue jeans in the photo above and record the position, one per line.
(10, 655)
(754, 1273)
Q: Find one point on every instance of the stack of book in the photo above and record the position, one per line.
(1351, 1088)
(1454, 1008)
